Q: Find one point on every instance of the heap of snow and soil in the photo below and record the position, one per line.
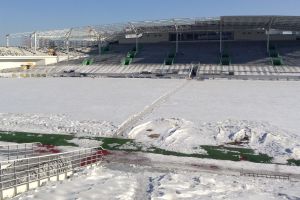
(186, 137)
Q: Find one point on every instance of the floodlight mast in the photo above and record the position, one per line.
(67, 37)
(98, 37)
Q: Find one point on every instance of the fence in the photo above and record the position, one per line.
(16, 151)
(20, 175)
(281, 177)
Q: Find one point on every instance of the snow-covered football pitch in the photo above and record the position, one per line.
(176, 114)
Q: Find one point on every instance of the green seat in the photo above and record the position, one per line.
(225, 59)
(277, 61)
(105, 49)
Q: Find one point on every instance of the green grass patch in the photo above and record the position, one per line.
(213, 152)
(293, 162)
(235, 154)
(50, 139)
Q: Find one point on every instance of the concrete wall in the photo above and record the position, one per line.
(249, 35)
(260, 36)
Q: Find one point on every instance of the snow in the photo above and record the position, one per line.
(171, 134)
(201, 113)
(135, 182)
(186, 137)
(46, 123)
(112, 100)
(275, 102)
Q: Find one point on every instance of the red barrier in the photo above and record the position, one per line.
(47, 149)
(95, 157)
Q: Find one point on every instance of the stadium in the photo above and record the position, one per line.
(259, 46)
(181, 108)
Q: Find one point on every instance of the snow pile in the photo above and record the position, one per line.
(172, 134)
(137, 183)
(186, 137)
(42, 123)
(91, 184)
(260, 136)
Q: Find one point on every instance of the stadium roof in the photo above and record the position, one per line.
(224, 23)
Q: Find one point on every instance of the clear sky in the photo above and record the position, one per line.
(30, 15)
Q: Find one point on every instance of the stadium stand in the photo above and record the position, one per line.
(248, 53)
(171, 47)
(289, 51)
(202, 52)
(12, 51)
(152, 53)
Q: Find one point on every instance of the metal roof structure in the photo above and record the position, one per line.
(110, 31)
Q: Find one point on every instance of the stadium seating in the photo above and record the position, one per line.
(248, 52)
(88, 61)
(169, 60)
(153, 53)
(225, 59)
(289, 52)
(277, 61)
(201, 52)
(241, 53)
(105, 49)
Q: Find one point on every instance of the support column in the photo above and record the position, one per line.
(137, 43)
(268, 34)
(268, 41)
(31, 41)
(177, 38)
(68, 48)
(221, 34)
(99, 47)
(35, 42)
(7, 41)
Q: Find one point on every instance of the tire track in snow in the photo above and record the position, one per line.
(130, 122)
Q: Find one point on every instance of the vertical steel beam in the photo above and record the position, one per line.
(268, 34)
(177, 38)
(7, 40)
(137, 43)
(268, 41)
(99, 46)
(221, 34)
(35, 42)
(67, 37)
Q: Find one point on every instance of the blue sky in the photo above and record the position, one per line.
(30, 15)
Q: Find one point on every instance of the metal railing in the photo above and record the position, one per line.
(20, 175)
(16, 151)
(265, 175)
